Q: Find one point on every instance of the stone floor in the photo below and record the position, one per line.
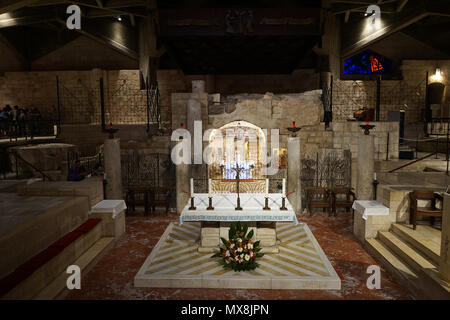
(112, 277)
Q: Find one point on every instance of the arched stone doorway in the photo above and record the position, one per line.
(237, 143)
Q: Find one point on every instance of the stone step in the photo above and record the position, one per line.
(424, 245)
(46, 274)
(413, 270)
(86, 261)
(413, 258)
(406, 276)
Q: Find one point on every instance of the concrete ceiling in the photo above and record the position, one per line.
(195, 35)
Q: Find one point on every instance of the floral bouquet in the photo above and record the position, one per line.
(239, 252)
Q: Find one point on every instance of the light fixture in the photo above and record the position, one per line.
(119, 18)
(437, 77)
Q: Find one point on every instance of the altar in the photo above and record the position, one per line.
(215, 222)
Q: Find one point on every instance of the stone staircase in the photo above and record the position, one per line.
(44, 276)
(413, 258)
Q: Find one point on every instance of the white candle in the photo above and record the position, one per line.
(192, 187)
(374, 176)
(267, 187)
(284, 187)
(209, 187)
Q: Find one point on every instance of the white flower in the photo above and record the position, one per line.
(247, 257)
(239, 249)
(239, 240)
(232, 246)
(250, 246)
(227, 254)
(250, 253)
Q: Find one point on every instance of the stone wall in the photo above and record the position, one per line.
(407, 94)
(345, 136)
(269, 110)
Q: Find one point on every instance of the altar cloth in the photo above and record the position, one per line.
(370, 208)
(109, 206)
(224, 208)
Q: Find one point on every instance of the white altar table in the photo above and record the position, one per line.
(215, 223)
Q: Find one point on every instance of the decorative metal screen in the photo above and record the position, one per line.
(327, 170)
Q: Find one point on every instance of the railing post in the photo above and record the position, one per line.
(102, 105)
(378, 103)
(17, 167)
(59, 105)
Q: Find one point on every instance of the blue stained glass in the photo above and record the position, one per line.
(367, 62)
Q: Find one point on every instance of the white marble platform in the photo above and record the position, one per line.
(176, 263)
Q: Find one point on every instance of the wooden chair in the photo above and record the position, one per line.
(430, 211)
(343, 202)
(160, 197)
(319, 197)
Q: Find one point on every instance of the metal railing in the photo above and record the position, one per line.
(13, 130)
(439, 126)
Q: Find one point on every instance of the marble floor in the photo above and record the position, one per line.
(176, 263)
(112, 277)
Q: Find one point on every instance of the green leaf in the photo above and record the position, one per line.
(250, 234)
(245, 230)
(260, 255)
(238, 226)
(256, 244)
(224, 241)
(232, 232)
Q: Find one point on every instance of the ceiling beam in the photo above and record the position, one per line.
(113, 39)
(347, 16)
(438, 8)
(11, 5)
(5, 42)
(356, 37)
(11, 20)
(401, 5)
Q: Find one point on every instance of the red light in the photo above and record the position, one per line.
(293, 124)
(181, 126)
(110, 125)
(367, 123)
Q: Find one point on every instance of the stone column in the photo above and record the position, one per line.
(194, 113)
(113, 172)
(365, 169)
(444, 263)
(182, 184)
(293, 174)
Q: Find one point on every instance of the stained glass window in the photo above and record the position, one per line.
(367, 62)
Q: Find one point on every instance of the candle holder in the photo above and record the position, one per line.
(367, 127)
(210, 207)
(238, 204)
(283, 204)
(111, 131)
(294, 130)
(266, 202)
(192, 207)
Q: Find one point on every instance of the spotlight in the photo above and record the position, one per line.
(119, 18)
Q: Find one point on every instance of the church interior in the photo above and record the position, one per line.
(224, 150)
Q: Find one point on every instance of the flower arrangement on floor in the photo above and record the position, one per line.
(239, 252)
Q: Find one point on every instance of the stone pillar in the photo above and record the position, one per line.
(198, 86)
(293, 174)
(365, 169)
(113, 172)
(182, 184)
(444, 263)
(194, 113)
